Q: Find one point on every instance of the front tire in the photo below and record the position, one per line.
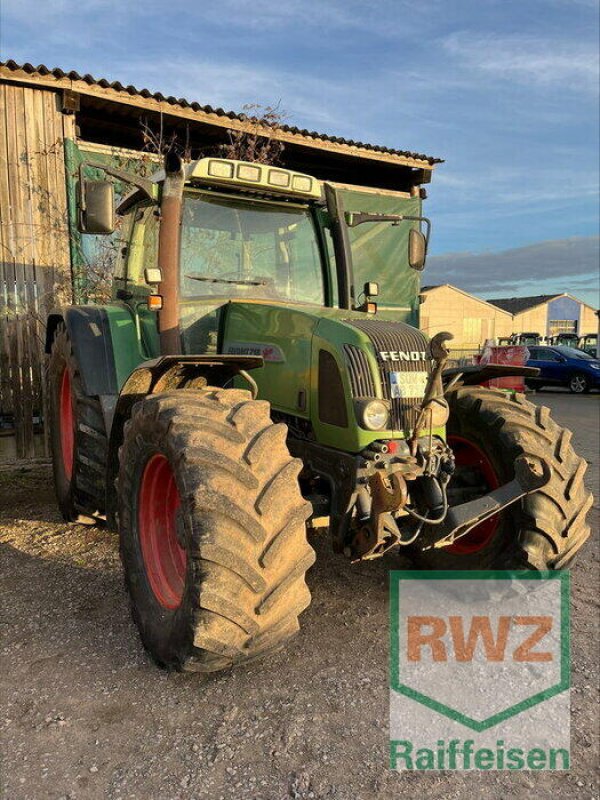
(543, 531)
(212, 529)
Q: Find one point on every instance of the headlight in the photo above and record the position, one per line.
(374, 415)
(595, 366)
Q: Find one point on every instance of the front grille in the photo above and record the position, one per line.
(361, 379)
(390, 337)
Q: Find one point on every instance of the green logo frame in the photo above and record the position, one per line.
(396, 576)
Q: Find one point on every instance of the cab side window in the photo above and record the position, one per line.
(120, 271)
(142, 250)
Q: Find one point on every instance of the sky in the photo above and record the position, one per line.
(506, 91)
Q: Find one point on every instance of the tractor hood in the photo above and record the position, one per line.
(319, 362)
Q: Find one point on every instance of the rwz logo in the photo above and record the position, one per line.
(431, 632)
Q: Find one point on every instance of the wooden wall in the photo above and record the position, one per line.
(589, 322)
(34, 254)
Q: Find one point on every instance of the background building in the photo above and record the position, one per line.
(549, 314)
(471, 319)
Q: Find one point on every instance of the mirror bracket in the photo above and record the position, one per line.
(146, 187)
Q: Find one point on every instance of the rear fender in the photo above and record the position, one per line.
(89, 331)
(107, 346)
(106, 341)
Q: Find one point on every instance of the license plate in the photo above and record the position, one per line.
(406, 385)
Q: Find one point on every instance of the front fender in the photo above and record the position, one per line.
(161, 375)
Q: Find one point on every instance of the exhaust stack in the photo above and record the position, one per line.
(168, 254)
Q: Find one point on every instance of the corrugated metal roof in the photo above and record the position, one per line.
(116, 86)
(515, 305)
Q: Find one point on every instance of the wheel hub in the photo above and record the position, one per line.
(165, 560)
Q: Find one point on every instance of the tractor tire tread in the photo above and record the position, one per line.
(240, 503)
(86, 493)
(553, 526)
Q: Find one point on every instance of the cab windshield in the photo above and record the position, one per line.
(234, 248)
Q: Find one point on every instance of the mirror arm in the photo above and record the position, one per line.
(143, 184)
(353, 219)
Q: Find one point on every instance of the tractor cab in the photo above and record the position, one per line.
(564, 339)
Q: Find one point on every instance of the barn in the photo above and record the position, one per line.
(472, 320)
(50, 122)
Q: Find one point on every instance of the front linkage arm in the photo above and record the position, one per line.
(529, 477)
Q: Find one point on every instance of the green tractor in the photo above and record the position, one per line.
(260, 372)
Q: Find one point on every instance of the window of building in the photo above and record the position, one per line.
(562, 326)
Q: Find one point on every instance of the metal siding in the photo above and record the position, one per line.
(564, 308)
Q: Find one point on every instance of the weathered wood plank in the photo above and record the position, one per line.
(34, 139)
(15, 339)
(21, 202)
(6, 270)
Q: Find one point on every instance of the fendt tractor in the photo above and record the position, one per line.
(260, 372)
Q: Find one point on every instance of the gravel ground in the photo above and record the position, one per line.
(87, 715)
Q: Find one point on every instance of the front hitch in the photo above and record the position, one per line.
(529, 477)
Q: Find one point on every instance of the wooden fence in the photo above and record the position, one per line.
(34, 257)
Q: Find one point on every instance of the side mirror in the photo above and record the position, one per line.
(96, 211)
(417, 249)
(371, 289)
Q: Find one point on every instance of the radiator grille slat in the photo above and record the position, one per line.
(361, 379)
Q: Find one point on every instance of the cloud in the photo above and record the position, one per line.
(528, 59)
(560, 265)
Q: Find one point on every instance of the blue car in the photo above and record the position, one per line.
(564, 366)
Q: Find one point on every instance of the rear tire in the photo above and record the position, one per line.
(216, 473)
(545, 530)
(77, 435)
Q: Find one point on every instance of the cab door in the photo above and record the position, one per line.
(141, 253)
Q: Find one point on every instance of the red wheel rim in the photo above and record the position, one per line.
(468, 454)
(67, 427)
(164, 559)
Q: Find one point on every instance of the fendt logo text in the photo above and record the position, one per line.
(479, 670)
(403, 355)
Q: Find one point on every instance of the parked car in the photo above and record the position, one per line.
(564, 366)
